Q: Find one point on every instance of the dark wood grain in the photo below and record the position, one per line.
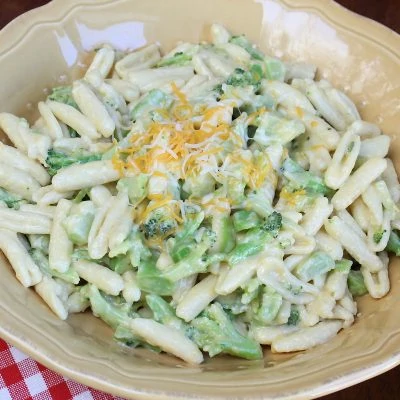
(383, 387)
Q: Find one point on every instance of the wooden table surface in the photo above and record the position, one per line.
(383, 387)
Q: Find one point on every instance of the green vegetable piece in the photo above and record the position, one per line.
(184, 240)
(242, 41)
(163, 312)
(81, 253)
(152, 100)
(199, 185)
(57, 160)
(40, 242)
(273, 224)
(81, 195)
(235, 190)
(240, 77)
(133, 247)
(79, 221)
(160, 222)
(196, 262)
(243, 220)
(177, 59)
(257, 201)
(301, 179)
(63, 94)
(273, 128)
(243, 251)
(11, 200)
(225, 235)
(393, 245)
(111, 309)
(274, 69)
(120, 264)
(377, 236)
(124, 335)
(151, 280)
(355, 282)
(294, 317)
(215, 333)
(316, 264)
(271, 302)
(135, 186)
(42, 261)
(343, 266)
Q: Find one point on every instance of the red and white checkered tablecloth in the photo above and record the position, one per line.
(22, 378)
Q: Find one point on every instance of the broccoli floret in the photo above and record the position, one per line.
(215, 333)
(294, 316)
(159, 223)
(57, 160)
(11, 200)
(252, 77)
(273, 224)
(63, 94)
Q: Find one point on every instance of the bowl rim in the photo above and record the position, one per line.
(56, 11)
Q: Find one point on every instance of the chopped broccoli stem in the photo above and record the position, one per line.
(151, 280)
(343, 266)
(267, 307)
(112, 310)
(393, 245)
(42, 262)
(355, 282)
(244, 250)
(301, 179)
(243, 220)
(179, 58)
(163, 312)
(316, 264)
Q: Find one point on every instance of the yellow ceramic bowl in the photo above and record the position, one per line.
(42, 47)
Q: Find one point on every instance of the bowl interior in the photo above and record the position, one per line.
(49, 46)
